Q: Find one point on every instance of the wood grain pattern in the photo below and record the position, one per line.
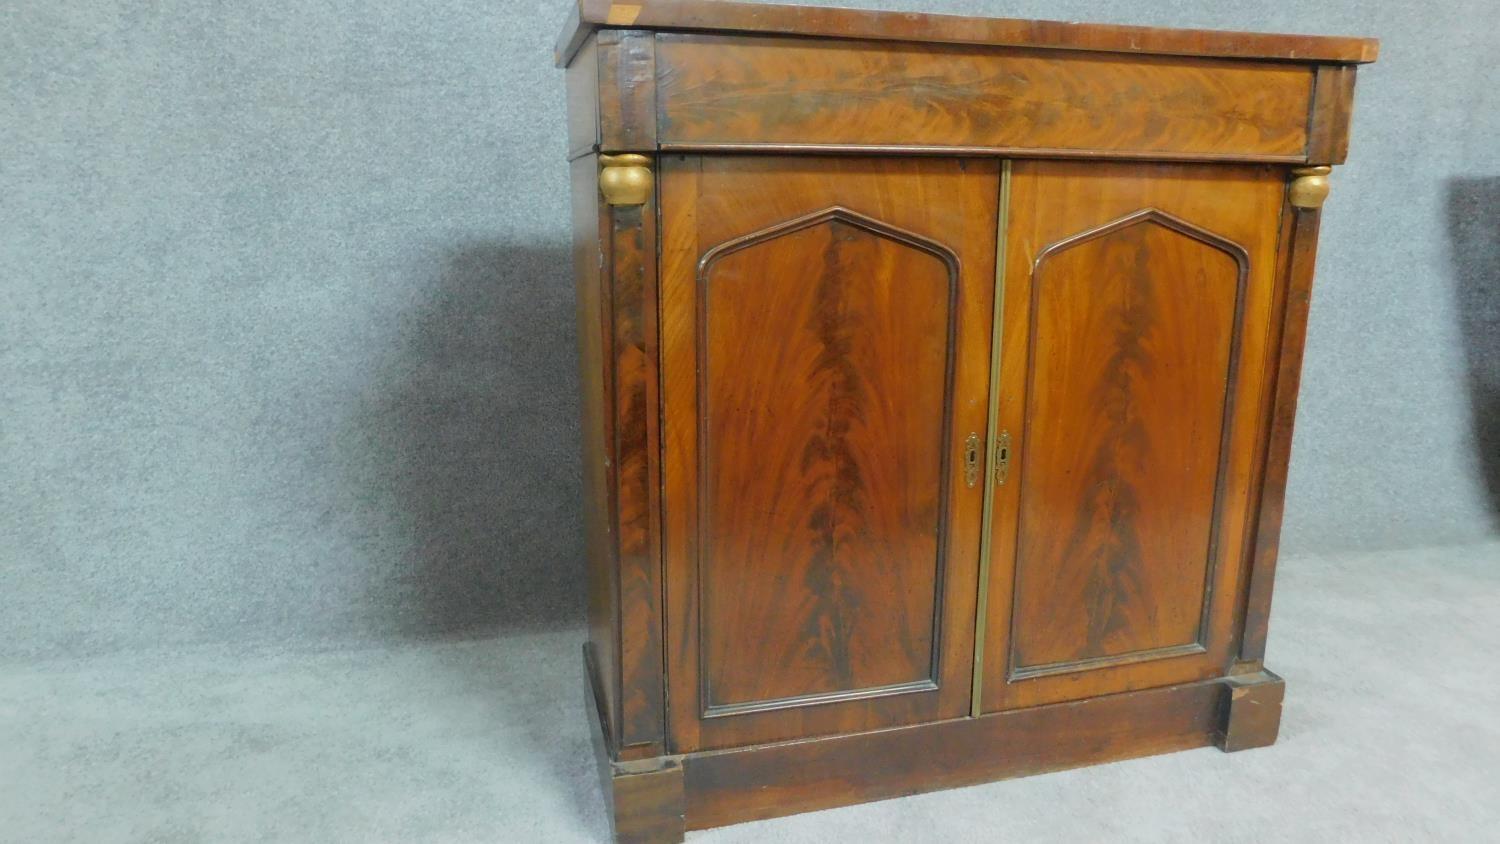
(596, 427)
(712, 15)
(784, 351)
(627, 90)
(1109, 531)
(763, 782)
(769, 91)
(817, 542)
(615, 272)
(1300, 256)
(1132, 335)
(632, 265)
(643, 800)
(582, 78)
(1252, 711)
(1333, 107)
(822, 449)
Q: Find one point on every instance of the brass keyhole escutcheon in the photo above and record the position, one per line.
(1002, 458)
(971, 460)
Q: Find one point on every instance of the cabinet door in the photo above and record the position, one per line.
(825, 334)
(1132, 385)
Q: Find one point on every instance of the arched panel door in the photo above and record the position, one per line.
(825, 333)
(1132, 379)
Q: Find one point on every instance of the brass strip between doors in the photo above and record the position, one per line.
(997, 325)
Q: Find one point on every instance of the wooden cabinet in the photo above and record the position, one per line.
(938, 380)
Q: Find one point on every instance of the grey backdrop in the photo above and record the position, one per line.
(286, 331)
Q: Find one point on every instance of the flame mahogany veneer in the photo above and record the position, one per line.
(938, 378)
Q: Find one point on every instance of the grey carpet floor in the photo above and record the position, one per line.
(1391, 733)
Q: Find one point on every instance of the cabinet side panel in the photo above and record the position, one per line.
(1298, 281)
(593, 374)
(583, 100)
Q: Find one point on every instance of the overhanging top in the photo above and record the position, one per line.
(714, 16)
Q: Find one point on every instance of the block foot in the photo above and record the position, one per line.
(1251, 711)
(644, 797)
(645, 807)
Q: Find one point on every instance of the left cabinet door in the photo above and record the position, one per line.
(825, 329)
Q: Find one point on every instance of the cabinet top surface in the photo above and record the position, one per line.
(826, 22)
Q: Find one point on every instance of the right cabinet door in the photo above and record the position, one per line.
(1133, 381)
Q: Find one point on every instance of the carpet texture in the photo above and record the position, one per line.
(1388, 735)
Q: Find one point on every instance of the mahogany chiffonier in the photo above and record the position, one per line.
(938, 385)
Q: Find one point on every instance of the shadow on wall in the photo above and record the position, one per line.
(1474, 226)
(472, 452)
